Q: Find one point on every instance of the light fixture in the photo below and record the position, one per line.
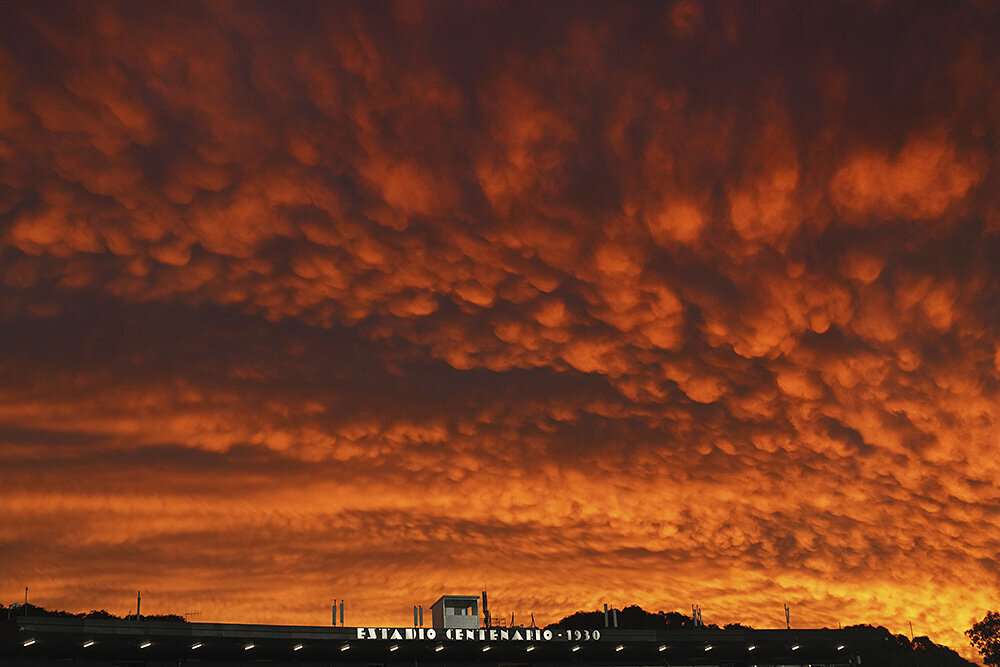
(620, 647)
(439, 647)
(297, 647)
(840, 648)
(28, 642)
(795, 647)
(248, 646)
(486, 648)
(195, 646)
(88, 643)
(394, 647)
(708, 647)
(345, 646)
(663, 647)
(751, 647)
(145, 644)
(531, 647)
(576, 647)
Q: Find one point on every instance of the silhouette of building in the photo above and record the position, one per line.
(456, 638)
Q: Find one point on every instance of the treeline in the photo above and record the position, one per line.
(892, 650)
(17, 610)
(878, 645)
(633, 617)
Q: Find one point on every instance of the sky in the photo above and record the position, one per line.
(664, 303)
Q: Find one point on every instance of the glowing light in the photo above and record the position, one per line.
(531, 647)
(795, 647)
(345, 647)
(195, 645)
(576, 647)
(840, 648)
(708, 647)
(439, 647)
(486, 648)
(751, 647)
(620, 647)
(248, 646)
(663, 647)
(88, 643)
(394, 647)
(297, 647)
(145, 644)
(28, 643)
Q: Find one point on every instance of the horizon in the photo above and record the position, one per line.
(716, 625)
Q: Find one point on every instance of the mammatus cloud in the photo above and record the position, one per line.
(599, 304)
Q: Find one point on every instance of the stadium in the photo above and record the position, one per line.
(458, 635)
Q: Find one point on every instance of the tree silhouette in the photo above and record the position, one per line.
(985, 636)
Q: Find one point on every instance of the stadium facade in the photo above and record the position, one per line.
(457, 637)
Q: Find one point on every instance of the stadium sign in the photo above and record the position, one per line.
(480, 634)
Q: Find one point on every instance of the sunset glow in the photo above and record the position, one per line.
(661, 303)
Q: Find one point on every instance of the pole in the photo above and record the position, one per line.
(138, 603)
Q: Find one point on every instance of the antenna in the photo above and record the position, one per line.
(333, 611)
(138, 601)
(341, 612)
(486, 609)
(605, 614)
(788, 622)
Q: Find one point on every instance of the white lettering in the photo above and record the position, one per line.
(470, 634)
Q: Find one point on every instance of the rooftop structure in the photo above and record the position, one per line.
(455, 611)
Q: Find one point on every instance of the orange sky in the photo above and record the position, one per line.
(661, 303)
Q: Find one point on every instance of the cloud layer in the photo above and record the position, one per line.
(664, 304)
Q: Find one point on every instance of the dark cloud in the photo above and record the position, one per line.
(699, 294)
